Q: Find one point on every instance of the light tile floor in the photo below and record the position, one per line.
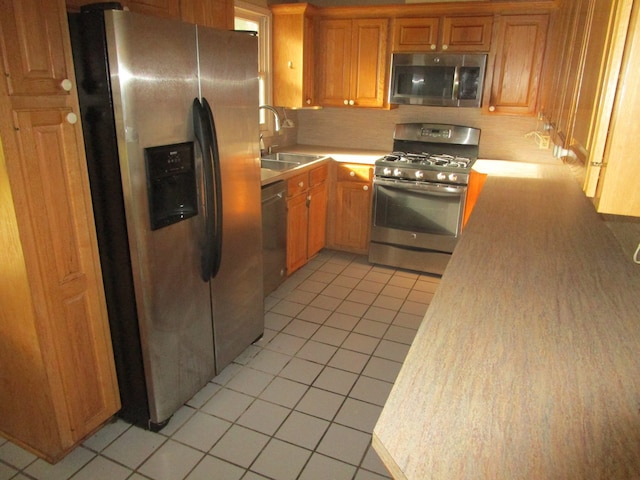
(300, 403)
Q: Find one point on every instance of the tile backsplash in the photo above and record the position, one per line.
(503, 137)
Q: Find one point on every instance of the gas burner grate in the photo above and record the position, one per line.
(428, 159)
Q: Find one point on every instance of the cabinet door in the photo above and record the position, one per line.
(317, 219)
(210, 13)
(618, 189)
(353, 201)
(334, 62)
(297, 226)
(65, 278)
(293, 56)
(369, 62)
(520, 50)
(157, 8)
(467, 34)
(33, 47)
(415, 34)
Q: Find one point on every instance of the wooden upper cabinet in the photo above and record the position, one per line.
(210, 13)
(352, 62)
(430, 34)
(617, 191)
(514, 79)
(34, 60)
(293, 55)
(416, 34)
(467, 34)
(157, 8)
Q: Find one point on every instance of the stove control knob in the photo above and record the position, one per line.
(453, 177)
(397, 172)
(441, 176)
(386, 171)
(419, 174)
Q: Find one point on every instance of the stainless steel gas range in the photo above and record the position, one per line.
(419, 194)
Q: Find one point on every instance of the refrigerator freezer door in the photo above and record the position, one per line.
(153, 66)
(229, 81)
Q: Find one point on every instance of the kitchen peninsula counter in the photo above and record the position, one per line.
(527, 363)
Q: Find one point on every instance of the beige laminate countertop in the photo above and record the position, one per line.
(527, 363)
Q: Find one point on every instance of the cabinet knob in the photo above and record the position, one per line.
(66, 85)
(290, 64)
(492, 108)
(308, 101)
(445, 47)
(351, 102)
(346, 102)
(433, 46)
(352, 174)
(72, 118)
(301, 184)
(365, 188)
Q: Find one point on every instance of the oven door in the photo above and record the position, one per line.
(417, 215)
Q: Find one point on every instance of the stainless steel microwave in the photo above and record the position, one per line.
(440, 79)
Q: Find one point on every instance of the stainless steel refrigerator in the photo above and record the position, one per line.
(170, 118)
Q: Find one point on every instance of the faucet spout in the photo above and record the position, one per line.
(275, 114)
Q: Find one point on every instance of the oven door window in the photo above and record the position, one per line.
(419, 208)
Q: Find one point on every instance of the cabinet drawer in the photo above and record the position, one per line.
(297, 184)
(318, 175)
(356, 173)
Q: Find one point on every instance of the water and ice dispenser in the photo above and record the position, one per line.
(171, 184)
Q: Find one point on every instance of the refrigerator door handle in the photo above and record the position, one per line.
(217, 189)
(203, 137)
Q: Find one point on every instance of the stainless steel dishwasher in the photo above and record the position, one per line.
(274, 235)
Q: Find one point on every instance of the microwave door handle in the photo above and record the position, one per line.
(456, 85)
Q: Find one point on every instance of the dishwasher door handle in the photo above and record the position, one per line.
(276, 197)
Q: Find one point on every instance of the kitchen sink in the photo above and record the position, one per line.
(278, 164)
(282, 161)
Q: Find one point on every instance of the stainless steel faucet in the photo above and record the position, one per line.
(275, 114)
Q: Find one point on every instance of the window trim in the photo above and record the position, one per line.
(262, 16)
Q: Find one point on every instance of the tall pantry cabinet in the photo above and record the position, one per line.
(57, 376)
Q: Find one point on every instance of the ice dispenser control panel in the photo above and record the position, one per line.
(171, 184)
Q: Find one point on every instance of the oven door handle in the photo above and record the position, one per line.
(423, 187)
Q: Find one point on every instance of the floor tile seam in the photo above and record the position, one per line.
(136, 468)
(25, 473)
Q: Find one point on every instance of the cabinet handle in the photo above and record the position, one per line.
(72, 118)
(445, 47)
(365, 188)
(492, 108)
(433, 47)
(308, 101)
(66, 85)
(346, 102)
(351, 102)
(352, 174)
(290, 64)
(301, 184)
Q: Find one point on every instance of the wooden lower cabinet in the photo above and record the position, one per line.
(350, 219)
(476, 182)
(306, 216)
